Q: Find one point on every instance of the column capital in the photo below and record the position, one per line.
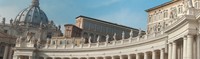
(162, 49)
(185, 38)
(190, 36)
(174, 43)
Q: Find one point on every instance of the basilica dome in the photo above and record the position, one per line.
(32, 15)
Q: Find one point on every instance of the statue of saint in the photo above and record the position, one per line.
(114, 37)
(98, 38)
(11, 21)
(123, 35)
(3, 21)
(140, 32)
(41, 24)
(131, 33)
(89, 40)
(19, 40)
(107, 38)
(48, 41)
(59, 27)
(190, 4)
(38, 43)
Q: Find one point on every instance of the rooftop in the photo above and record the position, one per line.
(107, 22)
(162, 5)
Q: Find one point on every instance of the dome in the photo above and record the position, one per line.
(32, 15)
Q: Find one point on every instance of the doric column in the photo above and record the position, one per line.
(174, 50)
(145, 55)
(96, 57)
(15, 57)
(5, 56)
(162, 54)
(198, 46)
(190, 39)
(113, 57)
(45, 57)
(184, 47)
(137, 56)
(104, 57)
(153, 54)
(129, 56)
(121, 57)
(10, 53)
(30, 57)
(170, 51)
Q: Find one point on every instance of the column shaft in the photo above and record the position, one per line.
(121, 57)
(174, 50)
(184, 47)
(137, 56)
(189, 46)
(153, 55)
(129, 57)
(113, 57)
(10, 53)
(145, 55)
(170, 51)
(198, 47)
(162, 54)
(5, 55)
(30, 57)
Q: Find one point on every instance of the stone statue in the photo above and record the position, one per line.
(107, 38)
(73, 41)
(82, 40)
(123, 35)
(114, 37)
(3, 21)
(89, 40)
(33, 40)
(11, 21)
(189, 3)
(98, 38)
(41, 24)
(140, 32)
(38, 43)
(131, 33)
(48, 41)
(28, 37)
(19, 40)
(59, 27)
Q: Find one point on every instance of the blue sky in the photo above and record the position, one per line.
(125, 12)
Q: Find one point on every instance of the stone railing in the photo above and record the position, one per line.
(55, 43)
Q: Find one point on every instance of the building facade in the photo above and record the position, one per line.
(172, 33)
(95, 27)
(7, 42)
(72, 31)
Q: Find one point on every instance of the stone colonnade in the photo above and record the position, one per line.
(8, 52)
(155, 54)
(184, 48)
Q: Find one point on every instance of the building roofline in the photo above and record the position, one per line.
(162, 5)
(69, 24)
(72, 25)
(106, 22)
(5, 35)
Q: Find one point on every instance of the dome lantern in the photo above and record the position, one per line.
(35, 3)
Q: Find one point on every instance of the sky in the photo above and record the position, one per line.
(130, 13)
